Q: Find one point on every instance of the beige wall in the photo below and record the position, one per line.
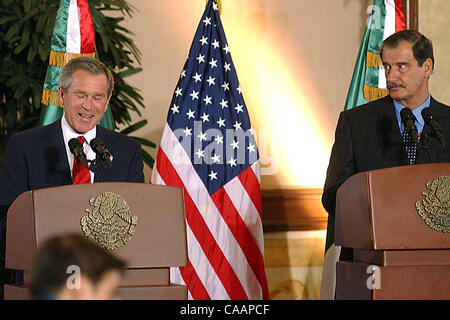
(434, 22)
(294, 60)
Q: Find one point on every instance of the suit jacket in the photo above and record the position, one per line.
(37, 158)
(368, 138)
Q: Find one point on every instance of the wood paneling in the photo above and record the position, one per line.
(413, 13)
(293, 209)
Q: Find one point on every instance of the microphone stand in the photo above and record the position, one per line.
(93, 167)
(423, 144)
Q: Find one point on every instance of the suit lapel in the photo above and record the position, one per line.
(103, 174)
(56, 164)
(432, 141)
(392, 151)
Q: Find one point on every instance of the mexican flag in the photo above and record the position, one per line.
(73, 36)
(368, 84)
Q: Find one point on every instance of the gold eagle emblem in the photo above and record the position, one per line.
(109, 223)
(436, 204)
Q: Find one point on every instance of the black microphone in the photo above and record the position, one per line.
(76, 148)
(408, 120)
(431, 121)
(99, 148)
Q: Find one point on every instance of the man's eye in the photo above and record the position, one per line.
(386, 67)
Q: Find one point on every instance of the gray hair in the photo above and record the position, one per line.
(88, 64)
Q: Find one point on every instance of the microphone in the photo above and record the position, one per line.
(76, 148)
(99, 148)
(431, 121)
(408, 120)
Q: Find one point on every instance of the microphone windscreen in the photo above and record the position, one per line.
(406, 114)
(426, 114)
(95, 144)
(74, 143)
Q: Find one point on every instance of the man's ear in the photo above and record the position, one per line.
(428, 67)
(61, 95)
(107, 103)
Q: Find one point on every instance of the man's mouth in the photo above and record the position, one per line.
(394, 85)
(85, 116)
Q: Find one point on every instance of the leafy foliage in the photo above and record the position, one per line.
(26, 28)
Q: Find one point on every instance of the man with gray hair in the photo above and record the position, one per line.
(376, 135)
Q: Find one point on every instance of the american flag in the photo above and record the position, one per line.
(209, 149)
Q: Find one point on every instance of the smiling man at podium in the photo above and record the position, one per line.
(58, 154)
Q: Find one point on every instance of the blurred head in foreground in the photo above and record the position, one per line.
(72, 267)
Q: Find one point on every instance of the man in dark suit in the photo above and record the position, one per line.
(370, 136)
(40, 157)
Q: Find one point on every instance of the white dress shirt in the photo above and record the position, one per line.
(69, 133)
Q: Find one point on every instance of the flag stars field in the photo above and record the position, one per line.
(219, 171)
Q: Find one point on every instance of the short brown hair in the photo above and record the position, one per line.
(88, 64)
(51, 262)
(422, 47)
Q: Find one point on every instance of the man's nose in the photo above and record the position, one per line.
(391, 74)
(87, 103)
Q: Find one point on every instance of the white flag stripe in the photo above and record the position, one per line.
(156, 178)
(211, 216)
(389, 19)
(73, 39)
(389, 28)
(248, 212)
(175, 276)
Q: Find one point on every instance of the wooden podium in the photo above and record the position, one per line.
(159, 241)
(397, 221)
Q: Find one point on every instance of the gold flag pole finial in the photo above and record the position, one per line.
(219, 4)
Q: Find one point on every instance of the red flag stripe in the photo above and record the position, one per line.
(247, 211)
(198, 258)
(209, 245)
(400, 23)
(244, 238)
(86, 27)
(188, 273)
(251, 184)
(196, 287)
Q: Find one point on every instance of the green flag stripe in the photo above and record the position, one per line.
(50, 114)
(59, 38)
(52, 78)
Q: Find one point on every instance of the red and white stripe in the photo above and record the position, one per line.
(224, 231)
(80, 28)
(394, 20)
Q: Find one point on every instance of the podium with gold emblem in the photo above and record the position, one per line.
(397, 221)
(142, 224)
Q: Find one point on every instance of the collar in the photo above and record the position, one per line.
(69, 133)
(417, 112)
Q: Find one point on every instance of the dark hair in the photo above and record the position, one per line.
(422, 47)
(49, 271)
(88, 64)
